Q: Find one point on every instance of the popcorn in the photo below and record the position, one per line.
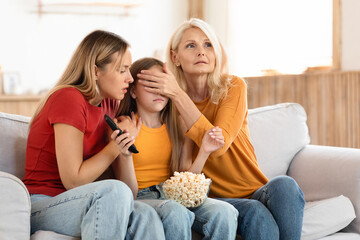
(186, 188)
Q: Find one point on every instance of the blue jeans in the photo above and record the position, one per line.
(275, 211)
(100, 210)
(214, 219)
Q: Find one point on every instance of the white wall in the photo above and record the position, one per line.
(260, 35)
(38, 48)
(350, 35)
(216, 14)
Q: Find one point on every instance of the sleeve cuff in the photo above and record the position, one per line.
(197, 131)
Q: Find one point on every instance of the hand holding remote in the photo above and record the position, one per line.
(114, 127)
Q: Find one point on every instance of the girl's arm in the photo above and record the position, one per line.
(73, 170)
(212, 141)
(123, 167)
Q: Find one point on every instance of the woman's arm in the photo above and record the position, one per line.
(73, 170)
(231, 115)
(164, 83)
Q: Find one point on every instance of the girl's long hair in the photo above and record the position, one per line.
(168, 115)
(96, 49)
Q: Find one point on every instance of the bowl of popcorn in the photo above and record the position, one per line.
(186, 188)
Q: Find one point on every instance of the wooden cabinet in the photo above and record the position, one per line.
(19, 104)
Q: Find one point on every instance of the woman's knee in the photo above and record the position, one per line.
(169, 209)
(220, 210)
(255, 210)
(144, 210)
(113, 191)
(256, 220)
(286, 188)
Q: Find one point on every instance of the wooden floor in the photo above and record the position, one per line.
(331, 100)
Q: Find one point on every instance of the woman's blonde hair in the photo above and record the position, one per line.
(168, 115)
(218, 81)
(96, 49)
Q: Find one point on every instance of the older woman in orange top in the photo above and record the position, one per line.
(205, 97)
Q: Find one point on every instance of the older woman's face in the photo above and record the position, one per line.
(195, 53)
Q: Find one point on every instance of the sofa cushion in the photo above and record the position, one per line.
(277, 133)
(13, 137)
(325, 217)
(14, 208)
(342, 236)
(49, 235)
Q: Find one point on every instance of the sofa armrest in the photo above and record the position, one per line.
(15, 207)
(323, 172)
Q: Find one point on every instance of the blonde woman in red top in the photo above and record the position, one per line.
(205, 97)
(68, 148)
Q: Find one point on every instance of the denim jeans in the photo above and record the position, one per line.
(275, 211)
(214, 219)
(100, 210)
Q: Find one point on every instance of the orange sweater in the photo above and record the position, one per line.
(152, 163)
(233, 169)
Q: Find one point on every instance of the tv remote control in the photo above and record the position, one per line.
(114, 127)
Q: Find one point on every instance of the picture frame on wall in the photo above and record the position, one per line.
(11, 83)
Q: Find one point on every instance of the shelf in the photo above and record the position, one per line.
(115, 7)
(18, 98)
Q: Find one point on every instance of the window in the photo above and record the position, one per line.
(283, 36)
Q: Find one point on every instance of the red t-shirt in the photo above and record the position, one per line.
(68, 106)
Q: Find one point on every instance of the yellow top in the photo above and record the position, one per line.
(233, 169)
(152, 163)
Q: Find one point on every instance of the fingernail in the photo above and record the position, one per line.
(210, 133)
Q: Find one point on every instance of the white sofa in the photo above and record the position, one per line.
(328, 176)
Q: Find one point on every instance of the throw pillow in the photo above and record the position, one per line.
(325, 217)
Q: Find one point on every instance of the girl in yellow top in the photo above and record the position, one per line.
(160, 147)
(206, 97)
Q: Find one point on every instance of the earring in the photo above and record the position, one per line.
(97, 87)
(178, 64)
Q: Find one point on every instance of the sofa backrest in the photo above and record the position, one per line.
(277, 133)
(13, 136)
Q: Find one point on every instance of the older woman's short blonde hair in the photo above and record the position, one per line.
(218, 81)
